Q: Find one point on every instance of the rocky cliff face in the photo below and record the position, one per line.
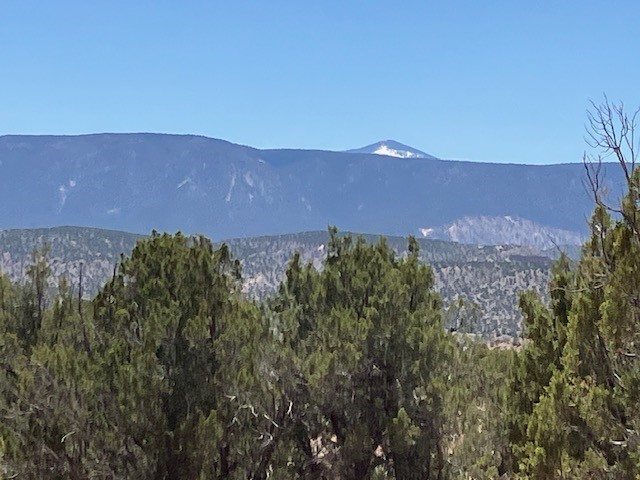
(506, 229)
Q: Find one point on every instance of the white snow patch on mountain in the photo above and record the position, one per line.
(233, 184)
(183, 183)
(248, 179)
(62, 191)
(391, 148)
(390, 152)
(306, 203)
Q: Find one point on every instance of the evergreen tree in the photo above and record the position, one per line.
(373, 352)
(581, 412)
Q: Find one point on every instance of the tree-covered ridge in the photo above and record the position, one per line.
(487, 278)
(348, 372)
(68, 247)
(170, 373)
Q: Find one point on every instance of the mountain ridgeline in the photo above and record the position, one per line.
(140, 182)
(479, 284)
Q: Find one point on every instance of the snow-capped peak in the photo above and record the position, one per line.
(392, 152)
(391, 148)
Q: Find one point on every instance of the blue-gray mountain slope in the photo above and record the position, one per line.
(139, 182)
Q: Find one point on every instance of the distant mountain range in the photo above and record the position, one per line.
(140, 182)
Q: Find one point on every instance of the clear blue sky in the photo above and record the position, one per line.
(505, 81)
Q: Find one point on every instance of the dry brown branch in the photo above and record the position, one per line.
(611, 132)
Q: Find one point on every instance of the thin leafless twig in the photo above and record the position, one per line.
(611, 132)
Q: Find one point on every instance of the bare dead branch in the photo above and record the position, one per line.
(612, 132)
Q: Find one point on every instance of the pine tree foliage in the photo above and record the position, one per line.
(577, 378)
(374, 351)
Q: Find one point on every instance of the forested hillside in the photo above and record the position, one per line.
(349, 371)
(170, 373)
(485, 280)
(346, 373)
(482, 282)
(67, 250)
